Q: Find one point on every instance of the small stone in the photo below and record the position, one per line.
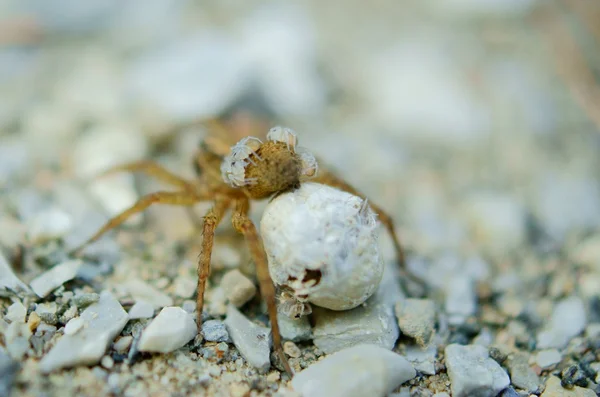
(423, 359)
(170, 330)
(521, 374)
(238, 288)
(416, 318)
(184, 287)
(9, 282)
(55, 277)
(473, 373)
(547, 358)
(141, 291)
(84, 300)
(33, 321)
(362, 370)
(273, 377)
(296, 330)
(123, 344)
(461, 298)
(215, 331)
(107, 362)
(568, 320)
(253, 341)
(141, 309)
(16, 313)
(218, 302)
(8, 373)
(73, 326)
(555, 389)
(105, 320)
(47, 312)
(48, 225)
(69, 314)
(291, 349)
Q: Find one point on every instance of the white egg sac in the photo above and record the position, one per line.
(322, 244)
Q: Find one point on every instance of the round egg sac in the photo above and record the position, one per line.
(322, 244)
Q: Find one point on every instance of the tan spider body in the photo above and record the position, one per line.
(230, 177)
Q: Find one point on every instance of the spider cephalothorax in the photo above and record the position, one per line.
(230, 177)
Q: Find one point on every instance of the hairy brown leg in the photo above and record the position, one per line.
(243, 224)
(169, 198)
(155, 170)
(211, 221)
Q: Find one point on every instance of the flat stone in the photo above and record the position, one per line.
(9, 282)
(296, 330)
(47, 282)
(547, 358)
(16, 313)
(422, 359)
(473, 373)
(362, 370)
(555, 389)
(47, 225)
(238, 288)
(416, 318)
(215, 331)
(253, 341)
(568, 320)
(74, 325)
(170, 330)
(521, 374)
(141, 309)
(141, 291)
(104, 320)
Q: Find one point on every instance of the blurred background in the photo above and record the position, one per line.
(475, 123)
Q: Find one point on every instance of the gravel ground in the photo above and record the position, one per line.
(475, 124)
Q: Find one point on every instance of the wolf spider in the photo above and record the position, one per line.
(231, 177)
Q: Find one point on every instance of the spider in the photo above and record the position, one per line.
(230, 177)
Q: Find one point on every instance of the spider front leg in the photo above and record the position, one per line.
(211, 221)
(155, 170)
(170, 198)
(243, 224)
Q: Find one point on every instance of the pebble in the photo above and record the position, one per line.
(184, 287)
(568, 320)
(84, 300)
(296, 330)
(17, 340)
(461, 298)
(253, 341)
(555, 389)
(238, 288)
(473, 373)
(141, 291)
(362, 370)
(74, 325)
(8, 373)
(48, 225)
(423, 359)
(9, 282)
(105, 319)
(141, 309)
(170, 330)
(47, 312)
(107, 362)
(547, 358)
(215, 331)
(47, 282)
(291, 349)
(123, 344)
(33, 321)
(16, 313)
(521, 374)
(416, 318)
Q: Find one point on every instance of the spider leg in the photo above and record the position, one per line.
(211, 221)
(169, 198)
(243, 224)
(155, 170)
(328, 178)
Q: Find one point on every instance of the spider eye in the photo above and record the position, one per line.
(283, 134)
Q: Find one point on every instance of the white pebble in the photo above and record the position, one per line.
(547, 358)
(141, 291)
(47, 225)
(16, 313)
(238, 288)
(141, 309)
(55, 277)
(123, 344)
(363, 370)
(323, 244)
(568, 320)
(74, 325)
(170, 330)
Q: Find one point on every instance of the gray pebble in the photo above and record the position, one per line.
(547, 358)
(296, 330)
(362, 370)
(521, 374)
(253, 341)
(568, 320)
(84, 300)
(104, 320)
(416, 318)
(423, 359)
(141, 309)
(238, 288)
(47, 312)
(473, 373)
(461, 300)
(215, 331)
